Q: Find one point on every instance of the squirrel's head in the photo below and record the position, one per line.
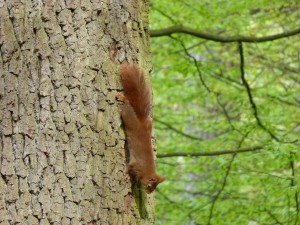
(150, 183)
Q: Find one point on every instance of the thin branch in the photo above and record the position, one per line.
(211, 135)
(162, 12)
(258, 172)
(221, 189)
(201, 42)
(225, 112)
(247, 86)
(172, 202)
(292, 184)
(224, 39)
(178, 131)
(211, 153)
(283, 101)
(224, 180)
(229, 81)
(195, 61)
(289, 207)
(273, 217)
(249, 93)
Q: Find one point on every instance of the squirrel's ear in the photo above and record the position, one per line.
(160, 179)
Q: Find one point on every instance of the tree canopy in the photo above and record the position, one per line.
(226, 110)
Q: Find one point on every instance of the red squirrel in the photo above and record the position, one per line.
(135, 114)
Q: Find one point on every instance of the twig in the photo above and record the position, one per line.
(224, 180)
(211, 153)
(195, 61)
(162, 12)
(249, 93)
(172, 202)
(200, 34)
(292, 184)
(273, 217)
(178, 131)
(221, 189)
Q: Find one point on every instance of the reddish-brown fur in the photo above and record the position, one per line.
(135, 114)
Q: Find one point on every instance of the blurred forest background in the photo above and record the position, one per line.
(226, 83)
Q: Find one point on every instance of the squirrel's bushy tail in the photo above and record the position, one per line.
(136, 89)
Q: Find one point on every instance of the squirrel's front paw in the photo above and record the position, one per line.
(127, 178)
(120, 97)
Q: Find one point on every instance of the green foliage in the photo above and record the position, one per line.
(202, 105)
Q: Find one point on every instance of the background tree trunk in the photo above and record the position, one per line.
(62, 159)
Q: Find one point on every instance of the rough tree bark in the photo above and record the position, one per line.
(62, 145)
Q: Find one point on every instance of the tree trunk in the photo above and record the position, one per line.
(62, 145)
